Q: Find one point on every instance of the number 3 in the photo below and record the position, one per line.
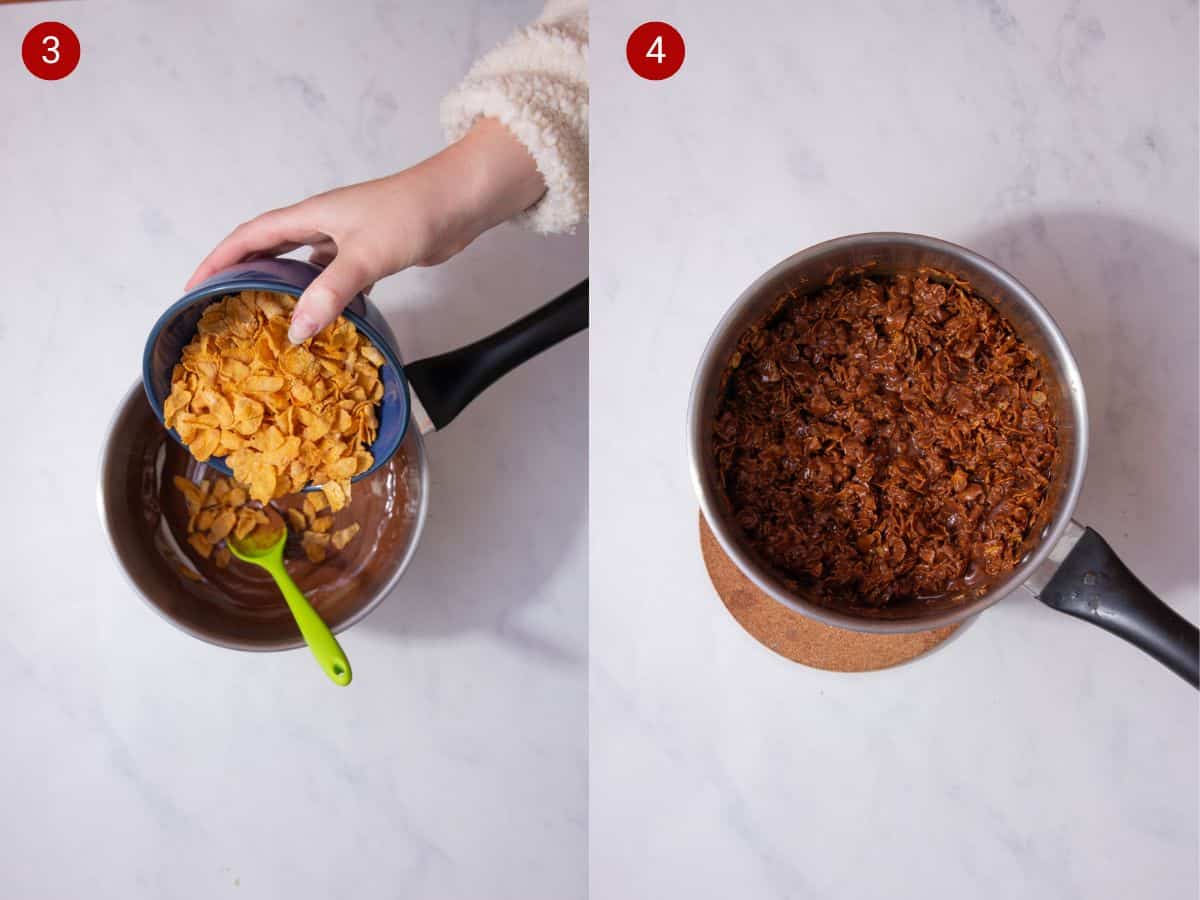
(656, 50)
(50, 42)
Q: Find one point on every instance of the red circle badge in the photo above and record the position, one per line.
(50, 51)
(655, 50)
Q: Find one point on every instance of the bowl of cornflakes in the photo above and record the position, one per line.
(221, 375)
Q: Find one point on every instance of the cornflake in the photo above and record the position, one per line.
(283, 416)
(219, 508)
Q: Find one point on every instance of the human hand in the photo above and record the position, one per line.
(421, 216)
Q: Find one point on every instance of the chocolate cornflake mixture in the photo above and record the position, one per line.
(885, 440)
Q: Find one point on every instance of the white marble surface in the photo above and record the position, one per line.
(142, 763)
(1033, 757)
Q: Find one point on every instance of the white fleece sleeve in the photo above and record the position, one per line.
(536, 84)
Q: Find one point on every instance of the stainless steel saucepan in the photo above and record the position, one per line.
(1066, 564)
(238, 607)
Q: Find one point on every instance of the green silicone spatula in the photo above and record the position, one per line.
(267, 553)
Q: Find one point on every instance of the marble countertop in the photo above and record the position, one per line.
(140, 762)
(1033, 756)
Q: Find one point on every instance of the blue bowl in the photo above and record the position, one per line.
(177, 326)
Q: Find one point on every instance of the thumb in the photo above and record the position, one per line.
(327, 296)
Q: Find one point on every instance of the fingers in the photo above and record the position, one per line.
(327, 296)
(270, 232)
(323, 253)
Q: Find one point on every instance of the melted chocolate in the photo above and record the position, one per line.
(381, 504)
(885, 441)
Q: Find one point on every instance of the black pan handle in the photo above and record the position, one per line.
(445, 384)
(1094, 585)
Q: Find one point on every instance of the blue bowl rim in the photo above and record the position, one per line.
(217, 291)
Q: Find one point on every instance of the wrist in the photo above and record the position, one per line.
(476, 183)
(496, 177)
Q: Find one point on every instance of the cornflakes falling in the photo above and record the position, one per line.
(284, 416)
(219, 508)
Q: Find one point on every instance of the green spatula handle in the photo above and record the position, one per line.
(316, 633)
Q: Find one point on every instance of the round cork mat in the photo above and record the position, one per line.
(805, 640)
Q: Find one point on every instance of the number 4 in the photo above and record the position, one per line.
(656, 50)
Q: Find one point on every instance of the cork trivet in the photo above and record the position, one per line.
(805, 640)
